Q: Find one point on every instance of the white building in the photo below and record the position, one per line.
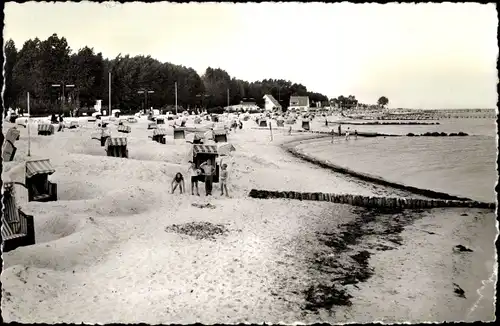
(271, 104)
(299, 103)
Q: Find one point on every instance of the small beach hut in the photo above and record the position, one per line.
(124, 129)
(117, 147)
(202, 153)
(220, 135)
(17, 227)
(305, 125)
(45, 129)
(179, 133)
(159, 135)
(37, 181)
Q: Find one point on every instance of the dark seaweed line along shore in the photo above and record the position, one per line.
(377, 180)
(349, 248)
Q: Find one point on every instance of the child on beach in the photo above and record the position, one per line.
(194, 173)
(347, 136)
(223, 180)
(178, 181)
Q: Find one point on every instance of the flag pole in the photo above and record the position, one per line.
(109, 109)
(175, 97)
(29, 133)
(271, 129)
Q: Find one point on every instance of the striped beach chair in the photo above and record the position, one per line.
(117, 147)
(45, 129)
(37, 181)
(124, 129)
(159, 135)
(17, 227)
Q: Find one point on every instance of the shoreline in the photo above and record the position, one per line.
(291, 147)
(260, 270)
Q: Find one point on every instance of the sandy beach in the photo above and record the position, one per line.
(107, 250)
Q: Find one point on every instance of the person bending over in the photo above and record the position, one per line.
(178, 181)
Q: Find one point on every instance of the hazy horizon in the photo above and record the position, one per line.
(419, 56)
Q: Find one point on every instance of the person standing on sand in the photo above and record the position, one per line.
(223, 180)
(340, 130)
(194, 174)
(355, 134)
(347, 135)
(208, 170)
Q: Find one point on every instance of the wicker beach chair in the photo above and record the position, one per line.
(117, 147)
(37, 181)
(17, 227)
(45, 129)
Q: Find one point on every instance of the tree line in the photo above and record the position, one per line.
(50, 69)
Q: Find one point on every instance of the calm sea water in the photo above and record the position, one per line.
(462, 166)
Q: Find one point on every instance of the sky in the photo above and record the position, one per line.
(417, 55)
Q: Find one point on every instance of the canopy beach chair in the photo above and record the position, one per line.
(179, 133)
(305, 125)
(17, 227)
(262, 123)
(37, 181)
(152, 125)
(202, 153)
(8, 148)
(160, 120)
(124, 129)
(220, 136)
(159, 135)
(131, 120)
(117, 147)
(45, 129)
(280, 122)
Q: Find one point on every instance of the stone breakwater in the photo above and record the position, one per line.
(368, 202)
(375, 123)
(373, 179)
(438, 134)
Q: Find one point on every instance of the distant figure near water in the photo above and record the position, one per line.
(340, 130)
(347, 133)
(355, 134)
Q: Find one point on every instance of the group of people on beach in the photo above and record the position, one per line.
(347, 133)
(204, 173)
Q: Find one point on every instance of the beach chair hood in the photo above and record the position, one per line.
(35, 167)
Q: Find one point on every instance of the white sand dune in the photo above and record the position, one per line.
(103, 254)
